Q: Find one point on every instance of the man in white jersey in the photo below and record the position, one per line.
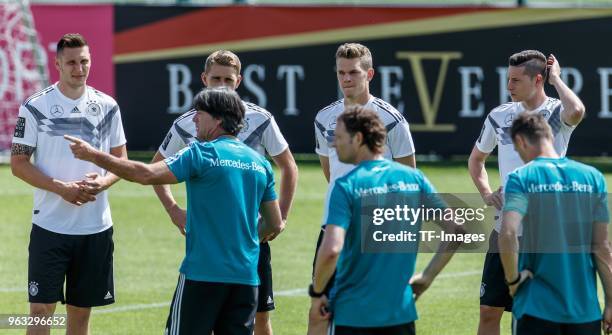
(527, 74)
(72, 231)
(261, 133)
(354, 70)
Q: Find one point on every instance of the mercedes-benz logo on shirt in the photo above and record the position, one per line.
(509, 119)
(57, 110)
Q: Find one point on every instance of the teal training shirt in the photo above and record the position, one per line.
(560, 200)
(371, 289)
(226, 183)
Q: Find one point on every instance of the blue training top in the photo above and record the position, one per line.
(371, 289)
(226, 183)
(560, 200)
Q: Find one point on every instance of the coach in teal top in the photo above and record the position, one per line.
(562, 206)
(228, 184)
(373, 292)
(226, 181)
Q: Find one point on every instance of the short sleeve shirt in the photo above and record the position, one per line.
(260, 132)
(371, 289)
(560, 200)
(43, 120)
(226, 183)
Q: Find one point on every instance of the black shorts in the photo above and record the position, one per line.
(330, 283)
(203, 307)
(264, 270)
(86, 261)
(529, 325)
(403, 329)
(493, 289)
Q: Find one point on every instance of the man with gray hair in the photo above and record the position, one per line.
(228, 184)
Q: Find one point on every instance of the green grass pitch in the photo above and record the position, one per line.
(149, 249)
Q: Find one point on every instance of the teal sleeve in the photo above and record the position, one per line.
(180, 164)
(339, 210)
(515, 198)
(431, 198)
(190, 162)
(601, 212)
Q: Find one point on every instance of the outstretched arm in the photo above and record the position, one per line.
(164, 194)
(446, 249)
(134, 171)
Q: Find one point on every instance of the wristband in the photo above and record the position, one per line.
(313, 294)
(514, 282)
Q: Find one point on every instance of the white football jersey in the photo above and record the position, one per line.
(496, 132)
(399, 140)
(44, 119)
(260, 132)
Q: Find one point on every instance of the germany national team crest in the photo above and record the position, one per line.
(545, 113)
(56, 111)
(93, 109)
(33, 288)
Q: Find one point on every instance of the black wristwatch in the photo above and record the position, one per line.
(514, 282)
(313, 294)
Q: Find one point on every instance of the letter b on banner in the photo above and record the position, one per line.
(180, 78)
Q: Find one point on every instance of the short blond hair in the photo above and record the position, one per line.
(356, 50)
(224, 58)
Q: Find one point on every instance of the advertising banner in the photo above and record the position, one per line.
(443, 68)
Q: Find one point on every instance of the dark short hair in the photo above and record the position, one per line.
(533, 61)
(365, 121)
(222, 103)
(71, 40)
(532, 126)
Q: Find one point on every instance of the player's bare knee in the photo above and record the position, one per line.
(78, 313)
(37, 309)
(262, 317)
(490, 314)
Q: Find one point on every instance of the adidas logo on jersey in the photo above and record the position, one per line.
(108, 296)
(75, 110)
